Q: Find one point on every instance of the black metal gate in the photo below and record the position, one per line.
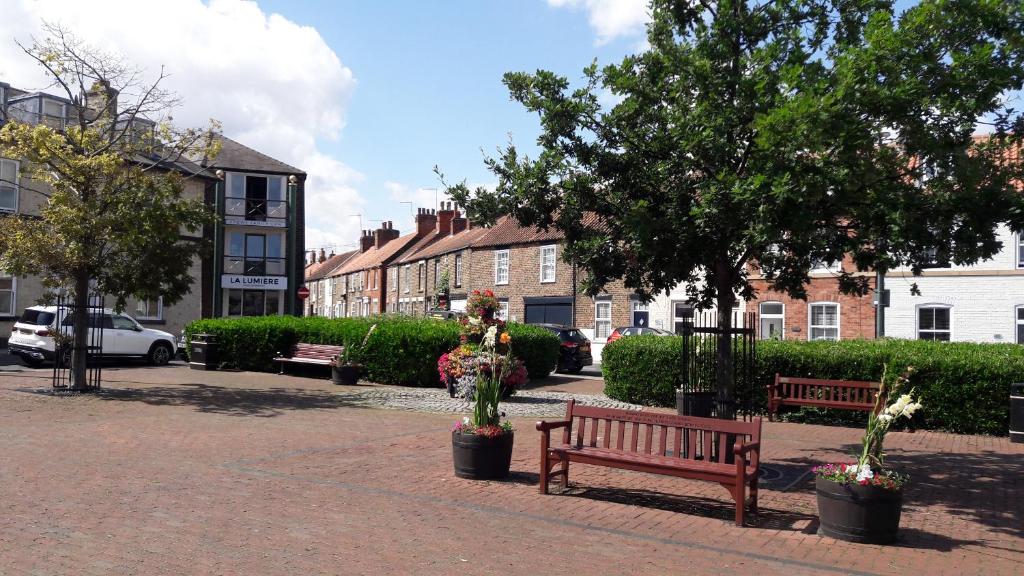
(698, 388)
(65, 350)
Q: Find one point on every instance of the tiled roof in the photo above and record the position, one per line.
(376, 256)
(448, 244)
(238, 156)
(506, 231)
(424, 243)
(324, 269)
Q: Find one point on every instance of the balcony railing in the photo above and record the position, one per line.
(270, 211)
(249, 266)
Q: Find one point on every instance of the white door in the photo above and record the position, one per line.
(128, 337)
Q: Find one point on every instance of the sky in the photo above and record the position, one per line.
(365, 96)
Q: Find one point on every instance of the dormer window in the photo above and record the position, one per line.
(39, 109)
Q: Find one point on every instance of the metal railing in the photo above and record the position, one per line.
(256, 209)
(249, 266)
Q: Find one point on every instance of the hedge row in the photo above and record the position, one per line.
(964, 386)
(402, 350)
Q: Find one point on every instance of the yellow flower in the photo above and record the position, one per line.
(505, 338)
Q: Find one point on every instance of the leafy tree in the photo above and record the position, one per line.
(114, 213)
(775, 134)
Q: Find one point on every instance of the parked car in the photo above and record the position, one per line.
(635, 331)
(32, 336)
(575, 350)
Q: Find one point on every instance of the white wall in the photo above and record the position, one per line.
(984, 297)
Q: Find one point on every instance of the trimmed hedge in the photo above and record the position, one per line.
(402, 350)
(964, 386)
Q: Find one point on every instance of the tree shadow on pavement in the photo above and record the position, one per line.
(265, 403)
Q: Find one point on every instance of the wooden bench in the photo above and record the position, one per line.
(315, 354)
(843, 394)
(722, 451)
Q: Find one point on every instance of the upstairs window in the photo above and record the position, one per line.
(1020, 250)
(405, 281)
(8, 185)
(501, 267)
(547, 263)
(933, 322)
(458, 270)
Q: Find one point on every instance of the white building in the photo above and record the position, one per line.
(979, 303)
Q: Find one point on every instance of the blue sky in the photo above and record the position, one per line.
(428, 85)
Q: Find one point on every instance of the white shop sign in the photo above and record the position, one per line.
(254, 282)
(244, 222)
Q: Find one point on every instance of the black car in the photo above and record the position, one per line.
(575, 349)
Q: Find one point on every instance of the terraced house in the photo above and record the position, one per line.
(257, 262)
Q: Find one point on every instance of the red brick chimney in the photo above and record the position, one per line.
(384, 234)
(426, 222)
(458, 222)
(365, 241)
(444, 218)
(322, 257)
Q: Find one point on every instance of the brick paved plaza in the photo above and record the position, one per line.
(172, 471)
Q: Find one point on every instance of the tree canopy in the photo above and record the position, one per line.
(779, 133)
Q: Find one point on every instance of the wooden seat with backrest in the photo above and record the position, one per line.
(722, 451)
(841, 394)
(313, 354)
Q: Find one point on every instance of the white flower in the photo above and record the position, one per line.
(465, 420)
(911, 408)
(885, 417)
(851, 468)
(897, 407)
(865, 473)
(489, 336)
(474, 321)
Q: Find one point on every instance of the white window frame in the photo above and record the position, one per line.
(458, 270)
(676, 319)
(1017, 322)
(810, 319)
(14, 294)
(498, 269)
(761, 316)
(1020, 249)
(408, 272)
(553, 248)
(602, 320)
(16, 184)
(502, 312)
(932, 306)
(421, 276)
(159, 310)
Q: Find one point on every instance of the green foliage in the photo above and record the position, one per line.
(643, 369)
(964, 387)
(536, 347)
(401, 350)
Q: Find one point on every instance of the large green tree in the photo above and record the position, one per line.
(775, 133)
(113, 214)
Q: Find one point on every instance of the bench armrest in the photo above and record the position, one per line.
(741, 448)
(545, 426)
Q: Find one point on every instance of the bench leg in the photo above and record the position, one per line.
(545, 469)
(738, 495)
(565, 472)
(753, 494)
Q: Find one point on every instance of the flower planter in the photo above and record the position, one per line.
(345, 375)
(482, 458)
(855, 513)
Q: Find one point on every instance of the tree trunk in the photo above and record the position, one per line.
(80, 341)
(724, 374)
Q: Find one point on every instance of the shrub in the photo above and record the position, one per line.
(402, 350)
(964, 386)
(537, 347)
(643, 369)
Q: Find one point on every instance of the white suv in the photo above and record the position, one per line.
(32, 338)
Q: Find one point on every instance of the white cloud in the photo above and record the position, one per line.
(275, 85)
(401, 194)
(611, 18)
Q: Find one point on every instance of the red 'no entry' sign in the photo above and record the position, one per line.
(302, 293)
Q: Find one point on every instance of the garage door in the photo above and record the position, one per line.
(548, 310)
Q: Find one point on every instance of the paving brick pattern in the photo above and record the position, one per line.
(171, 471)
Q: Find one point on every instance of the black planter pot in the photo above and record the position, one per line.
(481, 458)
(345, 375)
(856, 513)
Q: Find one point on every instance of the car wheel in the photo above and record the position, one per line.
(576, 369)
(160, 354)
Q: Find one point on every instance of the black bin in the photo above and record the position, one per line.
(204, 352)
(1017, 412)
(700, 404)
